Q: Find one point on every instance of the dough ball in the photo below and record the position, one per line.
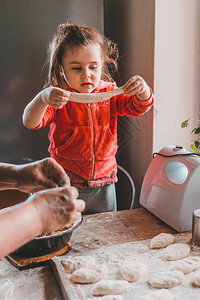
(161, 240)
(160, 295)
(73, 263)
(166, 279)
(176, 251)
(109, 287)
(89, 275)
(196, 279)
(187, 265)
(112, 297)
(133, 271)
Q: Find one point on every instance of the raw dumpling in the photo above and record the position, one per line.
(166, 279)
(162, 240)
(187, 265)
(133, 271)
(176, 251)
(89, 275)
(160, 295)
(73, 263)
(109, 287)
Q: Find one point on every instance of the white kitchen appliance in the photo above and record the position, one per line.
(171, 187)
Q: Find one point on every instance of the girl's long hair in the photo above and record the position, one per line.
(72, 35)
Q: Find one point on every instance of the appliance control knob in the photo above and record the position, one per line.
(179, 147)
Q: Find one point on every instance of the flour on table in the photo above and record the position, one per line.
(109, 287)
(166, 279)
(111, 297)
(73, 263)
(187, 265)
(161, 240)
(89, 275)
(133, 271)
(159, 295)
(196, 279)
(176, 251)
(115, 255)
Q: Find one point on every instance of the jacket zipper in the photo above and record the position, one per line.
(93, 156)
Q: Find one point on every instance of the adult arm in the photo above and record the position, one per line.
(44, 211)
(32, 177)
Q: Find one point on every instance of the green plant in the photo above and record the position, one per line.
(195, 145)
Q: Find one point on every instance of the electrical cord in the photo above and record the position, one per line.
(131, 183)
(174, 155)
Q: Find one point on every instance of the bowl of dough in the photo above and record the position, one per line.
(46, 243)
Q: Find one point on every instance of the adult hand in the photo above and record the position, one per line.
(44, 211)
(57, 207)
(40, 175)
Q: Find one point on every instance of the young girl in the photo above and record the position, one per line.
(83, 137)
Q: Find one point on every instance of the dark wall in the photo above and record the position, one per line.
(25, 29)
(130, 23)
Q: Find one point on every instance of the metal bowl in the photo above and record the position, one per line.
(44, 245)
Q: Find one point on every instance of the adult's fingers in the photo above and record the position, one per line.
(80, 205)
(56, 175)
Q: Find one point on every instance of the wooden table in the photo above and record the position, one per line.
(96, 231)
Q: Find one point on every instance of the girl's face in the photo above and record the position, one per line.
(82, 67)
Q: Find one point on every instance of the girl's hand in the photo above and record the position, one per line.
(55, 97)
(137, 86)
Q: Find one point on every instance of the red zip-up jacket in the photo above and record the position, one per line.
(83, 137)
